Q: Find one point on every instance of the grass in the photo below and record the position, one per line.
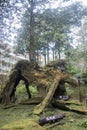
(83, 122)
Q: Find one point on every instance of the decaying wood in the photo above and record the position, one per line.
(32, 101)
(58, 64)
(38, 109)
(9, 106)
(48, 78)
(71, 105)
(9, 88)
(23, 70)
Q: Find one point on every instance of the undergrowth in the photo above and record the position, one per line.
(83, 123)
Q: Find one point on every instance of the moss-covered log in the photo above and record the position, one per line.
(71, 105)
(50, 94)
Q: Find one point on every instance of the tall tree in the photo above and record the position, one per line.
(51, 26)
(32, 42)
(83, 42)
(34, 6)
(11, 12)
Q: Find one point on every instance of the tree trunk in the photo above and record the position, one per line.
(32, 42)
(59, 57)
(53, 53)
(8, 93)
(45, 59)
(48, 54)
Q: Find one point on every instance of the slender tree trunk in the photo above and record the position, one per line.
(32, 42)
(53, 53)
(45, 59)
(59, 57)
(48, 54)
(40, 59)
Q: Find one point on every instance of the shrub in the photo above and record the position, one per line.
(22, 93)
(73, 70)
(84, 76)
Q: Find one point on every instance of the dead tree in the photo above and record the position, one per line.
(30, 73)
(48, 98)
(23, 70)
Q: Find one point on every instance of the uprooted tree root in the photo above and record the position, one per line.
(48, 78)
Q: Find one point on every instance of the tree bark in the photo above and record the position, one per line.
(8, 93)
(59, 57)
(53, 54)
(32, 41)
(48, 53)
(49, 96)
(45, 59)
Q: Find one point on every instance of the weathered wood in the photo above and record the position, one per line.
(23, 70)
(38, 109)
(9, 90)
(30, 73)
(71, 105)
(32, 101)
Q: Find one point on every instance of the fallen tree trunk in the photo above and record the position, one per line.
(71, 105)
(39, 108)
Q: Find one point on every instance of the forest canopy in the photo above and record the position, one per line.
(37, 28)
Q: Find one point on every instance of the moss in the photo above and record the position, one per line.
(71, 105)
(22, 114)
(69, 127)
(26, 124)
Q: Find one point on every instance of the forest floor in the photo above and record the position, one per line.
(18, 117)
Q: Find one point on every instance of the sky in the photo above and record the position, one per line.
(59, 2)
(83, 1)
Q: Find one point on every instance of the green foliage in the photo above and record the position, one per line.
(83, 123)
(84, 76)
(50, 26)
(73, 70)
(21, 92)
(33, 90)
(69, 90)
